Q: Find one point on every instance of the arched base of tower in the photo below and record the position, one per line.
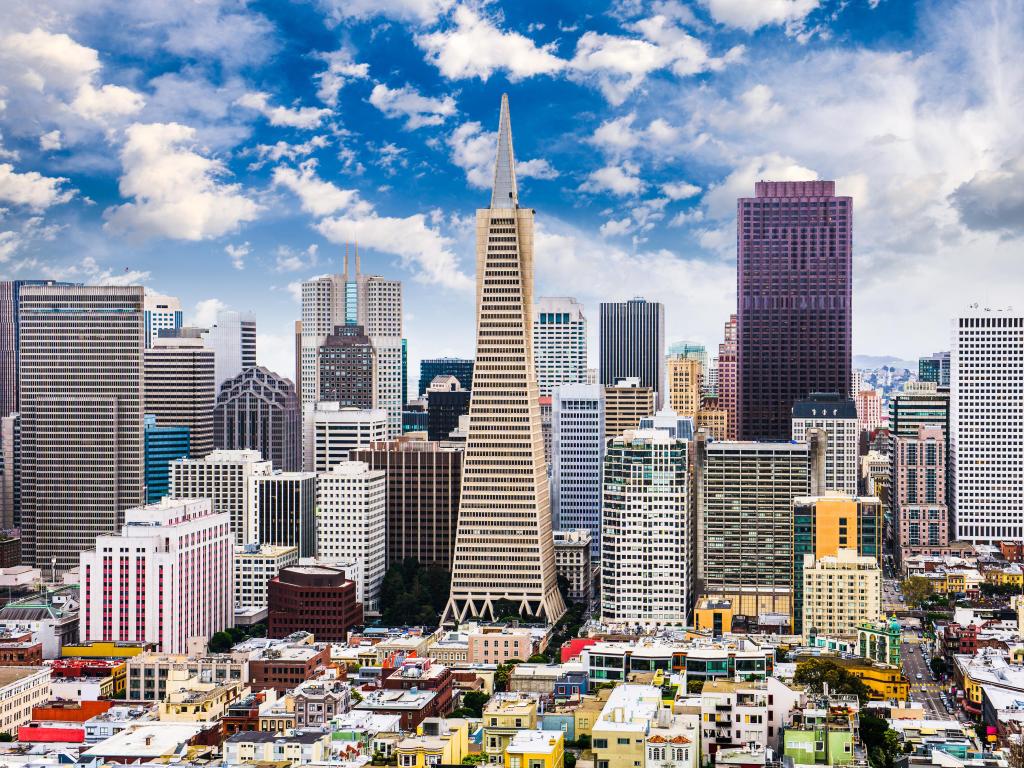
(548, 609)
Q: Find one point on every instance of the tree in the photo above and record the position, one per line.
(570, 760)
(474, 701)
(938, 666)
(503, 674)
(220, 642)
(413, 594)
(816, 672)
(6, 736)
(694, 686)
(538, 658)
(880, 742)
(916, 589)
(1015, 754)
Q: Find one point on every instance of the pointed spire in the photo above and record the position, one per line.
(344, 272)
(357, 260)
(505, 194)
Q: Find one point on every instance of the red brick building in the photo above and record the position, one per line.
(283, 666)
(20, 649)
(313, 599)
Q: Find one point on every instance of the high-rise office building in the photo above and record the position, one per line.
(647, 530)
(160, 313)
(633, 344)
(331, 431)
(690, 350)
(162, 445)
(424, 481)
(259, 410)
(387, 385)
(837, 416)
(625, 404)
(573, 563)
(822, 525)
(503, 549)
(223, 477)
(176, 586)
(794, 289)
(445, 366)
(446, 402)
(987, 420)
(10, 471)
(346, 365)
(685, 384)
(285, 509)
(917, 493)
(728, 393)
(351, 520)
(10, 296)
(745, 493)
(920, 404)
(233, 341)
(559, 343)
(577, 450)
(179, 381)
(709, 388)
(934, 368)
(323, 310)
(869, 410)
(714, 421)
(81, 389)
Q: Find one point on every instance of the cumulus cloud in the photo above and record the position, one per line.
(617, 137)
(316, 196)
(205, 313)
(177, 191)
(50, 141)
(290, 260)
(750, 15)
(237, 253)
(680, 190)
(32, 189)
(617, 180)
(406, 102)
(475, 47)
(993, 200)
(282, 150)
(422, 11)
(341, 68)
(290, 117)
(473, 150)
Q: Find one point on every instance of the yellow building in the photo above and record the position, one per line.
(883, 681)
(102, 650)
(684, 380)
(713, 614)
(437, 741)
(840, 592)
(503, 717)
(715, 421)
(620, 733)
(1014, 576)
(536, 749)
(191, 700)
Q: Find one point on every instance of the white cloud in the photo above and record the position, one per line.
(750, 15)
(177, 190)
(276, 352)
(615, 227)
(297, 117)
(9, 243)
(407, 102)
(50, 141)
(205, 313)
(32, 189)
(680, 190)
(237, 254)
(107, 101)
(993, 200)
(617, 137)
(290, 260)
(341, 68)
(720, 199)
(316, 196)
(759, 105)
(282, 150)
(89, 271)
(473, 150)
(476, 47)
(422, 11)
(618, 180)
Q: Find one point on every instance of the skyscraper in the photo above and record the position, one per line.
(987, 421)
(633, 344)
(577, 436)
(81, 415)
(285, 510)
(794, 290)
(837, 415)
(323, 310)
(917, 493)
(446, 402)
(259, 410)
(625, 404)
(503, 549)
(685, 380)
(934, 368)
(559, 343)
(330, 431)
(163, 444)
(233, 341)
(161, 312)
(346, 364)
(727, 384)
(647, 530)
(179, 391)
(445, 366)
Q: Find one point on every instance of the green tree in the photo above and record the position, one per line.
(503, 674)
(258, 630)
(474, 701)
(916, 589)
(881, 743)
(938, 666)
(220, 642)
(815, 672)
(570, 760)
(694, 686)
(538, 658)
(6, 736)
(413, 594)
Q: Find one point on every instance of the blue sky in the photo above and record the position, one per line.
(222, 151)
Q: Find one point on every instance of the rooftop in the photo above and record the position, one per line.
(146, 741)
(266, 737)
(536, 742)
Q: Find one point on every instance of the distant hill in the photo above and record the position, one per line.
(877, 361)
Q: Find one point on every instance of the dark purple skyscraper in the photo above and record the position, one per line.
(793, 285)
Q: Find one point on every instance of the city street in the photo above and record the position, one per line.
(926, 690)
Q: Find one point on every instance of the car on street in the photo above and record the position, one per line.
(919, 676)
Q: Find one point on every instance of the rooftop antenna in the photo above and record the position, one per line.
(357, 260)
(344, 272)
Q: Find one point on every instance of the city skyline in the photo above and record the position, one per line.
(399, 134)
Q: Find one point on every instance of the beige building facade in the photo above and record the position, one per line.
(840, 592)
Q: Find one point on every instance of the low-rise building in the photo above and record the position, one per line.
(496, 645)
(503, 717)
(88, 679)
(52, 616)
(285, 664)
(883, 681)
(314, 598)
(700, 659)
(673, 740)
(147, 743)
(986, 668)
(439, 741)
(148, 672)
(21, 689)
(318, 701)
(840, 592)
(413, 705)
(880, 641)
(733, 714)
(536, 749)
(192, 700)
(20, 648)
(295, 748)
(114, 720)
(620, 733)
(451, 649)
(824, 732)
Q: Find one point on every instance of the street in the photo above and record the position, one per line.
(926, 690)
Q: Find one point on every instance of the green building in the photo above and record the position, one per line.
(880, 641)
(825, 732)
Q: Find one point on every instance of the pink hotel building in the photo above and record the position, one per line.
(166, 578)
(919, 493)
